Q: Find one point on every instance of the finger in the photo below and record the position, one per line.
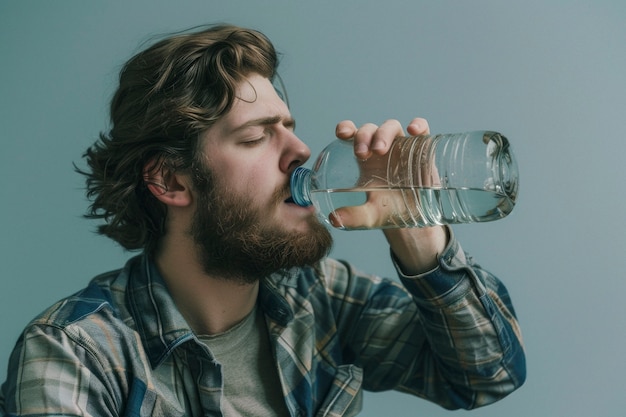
(384, 136)
(363, 139)
(418, 127)
(353, 217)
(345, 129)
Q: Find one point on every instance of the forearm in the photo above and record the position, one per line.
(475, 348)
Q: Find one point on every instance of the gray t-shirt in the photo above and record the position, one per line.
(251, 383)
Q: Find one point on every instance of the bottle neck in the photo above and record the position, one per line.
(300, 184)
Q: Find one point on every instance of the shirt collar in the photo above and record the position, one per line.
(160, 324)
(271, 298)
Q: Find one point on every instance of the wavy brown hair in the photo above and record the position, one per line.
(167, 95)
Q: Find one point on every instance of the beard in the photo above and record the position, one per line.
(237, 243)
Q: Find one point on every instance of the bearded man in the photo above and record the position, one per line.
(233, 307)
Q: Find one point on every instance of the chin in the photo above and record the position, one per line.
(303, 227)
(296, 218)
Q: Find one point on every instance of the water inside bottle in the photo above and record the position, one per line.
(415, 207)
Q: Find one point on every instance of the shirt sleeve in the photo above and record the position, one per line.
(450, 335)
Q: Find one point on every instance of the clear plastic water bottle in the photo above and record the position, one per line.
(422, 181)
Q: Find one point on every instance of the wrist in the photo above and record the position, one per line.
(417, 249)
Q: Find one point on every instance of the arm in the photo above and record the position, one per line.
(450, 335)
(472, 333)
(457, 341)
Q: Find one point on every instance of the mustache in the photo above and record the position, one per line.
(281, 194)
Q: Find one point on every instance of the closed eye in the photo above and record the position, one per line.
(290, 124)
(254, 142)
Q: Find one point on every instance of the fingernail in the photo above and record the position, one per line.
(343, 131)
(361, 148)
(379, 146)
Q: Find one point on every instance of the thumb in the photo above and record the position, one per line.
(355, 217)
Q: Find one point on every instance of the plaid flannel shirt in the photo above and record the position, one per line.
(120, 347)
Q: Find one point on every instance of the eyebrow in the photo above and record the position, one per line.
(266, 121)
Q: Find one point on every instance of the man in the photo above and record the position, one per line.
(233, 308)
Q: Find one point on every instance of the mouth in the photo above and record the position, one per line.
(290, 201)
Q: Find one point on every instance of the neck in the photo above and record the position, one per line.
(210, 304)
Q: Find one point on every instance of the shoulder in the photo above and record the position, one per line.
(91, 327)
(342, 282)
(95, 319)
(342, 276)
(78, 349)
(102, 293)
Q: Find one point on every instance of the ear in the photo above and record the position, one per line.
(168, 186)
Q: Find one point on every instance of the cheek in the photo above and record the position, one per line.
(258, 180)
(248, 179)
(255, 174)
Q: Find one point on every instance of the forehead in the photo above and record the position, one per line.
(256, 99)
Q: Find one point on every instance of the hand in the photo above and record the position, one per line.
(386, 207)
(416, 248)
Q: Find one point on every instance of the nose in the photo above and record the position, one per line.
(295, 153)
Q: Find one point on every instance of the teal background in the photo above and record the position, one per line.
(550, 75)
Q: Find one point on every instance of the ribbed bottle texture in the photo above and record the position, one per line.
(422, 181)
